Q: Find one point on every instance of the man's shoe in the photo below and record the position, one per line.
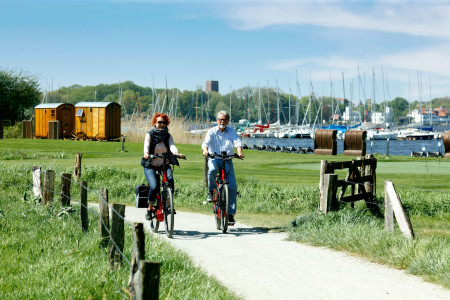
(148, 215)
(209, 198)
(174, 211)
(231, 220)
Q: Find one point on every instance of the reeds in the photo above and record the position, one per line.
(135, 126)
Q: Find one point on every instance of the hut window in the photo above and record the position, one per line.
(53, 113)
(80, 112)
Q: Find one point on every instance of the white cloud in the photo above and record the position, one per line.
(434, 60)
(418, 18)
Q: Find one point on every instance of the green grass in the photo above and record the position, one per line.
(358, 232)
(45, 255)
(275, 189)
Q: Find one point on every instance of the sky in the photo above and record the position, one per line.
(342, 48)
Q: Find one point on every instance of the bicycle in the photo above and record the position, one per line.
(164, 210)
(221, 194)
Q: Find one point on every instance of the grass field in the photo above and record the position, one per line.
(279, 191)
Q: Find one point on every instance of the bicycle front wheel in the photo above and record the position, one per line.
(168, 211)
(224, 195)
(154, 223)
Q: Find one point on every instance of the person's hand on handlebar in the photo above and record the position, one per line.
(181, 156)
(239, 152)
(205, 152)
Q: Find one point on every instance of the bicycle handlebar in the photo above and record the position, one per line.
(224, 156)
(165, 155)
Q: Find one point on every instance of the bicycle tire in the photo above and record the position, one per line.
(154, 223)
(169, 216)
(224, 207)
(216, 208)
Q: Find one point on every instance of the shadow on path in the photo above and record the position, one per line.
(187, 234)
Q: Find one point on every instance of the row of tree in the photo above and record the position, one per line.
(19, 93)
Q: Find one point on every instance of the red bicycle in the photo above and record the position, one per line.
(221, 194)
(164, 210)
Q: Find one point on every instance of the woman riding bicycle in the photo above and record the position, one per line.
(157, 141)
(222, 138)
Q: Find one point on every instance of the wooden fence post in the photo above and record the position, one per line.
(37, 191)
(323, 168)
(329, 193)
(146, 280)
(117, 235)
(77, 171)
(368, 171)
(138, 252)
(83, 207)
(65, 189)
(49, 185)
(103, 221)
(400, 214)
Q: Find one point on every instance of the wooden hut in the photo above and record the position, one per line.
(62, 112)
(97, 120)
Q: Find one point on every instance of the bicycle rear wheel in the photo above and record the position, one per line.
(224, 195)
(168, 211)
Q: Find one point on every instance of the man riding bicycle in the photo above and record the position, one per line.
(222, 138)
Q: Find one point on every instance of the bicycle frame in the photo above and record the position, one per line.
(220, 208)
(159, 211)
(164, 212)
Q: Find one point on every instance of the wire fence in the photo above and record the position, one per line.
(24, 186)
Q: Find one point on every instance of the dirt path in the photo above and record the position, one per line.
(260, 265)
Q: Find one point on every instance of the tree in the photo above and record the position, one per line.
(19, 92)
(400, 107)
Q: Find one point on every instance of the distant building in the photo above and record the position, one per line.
(212, 86)
(350, 115)
(426, 116)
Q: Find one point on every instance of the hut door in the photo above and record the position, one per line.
(66, 130)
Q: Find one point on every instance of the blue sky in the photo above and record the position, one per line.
(382, 48)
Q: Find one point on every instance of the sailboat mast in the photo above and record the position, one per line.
(297, 110)
(268, 103)
(259, 105)
(278, 104)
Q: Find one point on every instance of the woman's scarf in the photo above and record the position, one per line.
(159, 135)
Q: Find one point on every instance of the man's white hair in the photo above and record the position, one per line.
(223, 112)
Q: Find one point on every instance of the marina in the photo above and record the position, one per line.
(396, 147)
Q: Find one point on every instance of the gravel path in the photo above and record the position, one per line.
(261, 265)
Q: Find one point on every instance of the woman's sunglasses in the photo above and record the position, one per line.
(162, 122)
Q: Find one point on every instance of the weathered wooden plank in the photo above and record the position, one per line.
(83, 207)
(103, 221)
(146, 280)
(117, 235)
(388, 212)
(37, 191)
(323, 166)
(65, 189)
(350, 199)
(49, 186)
(138, 252)
(400, 214)
(77, 171)
(329, 193)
